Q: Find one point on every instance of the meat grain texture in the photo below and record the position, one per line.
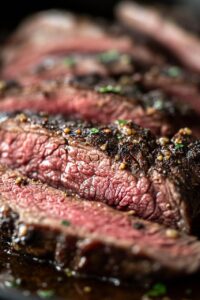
(45, 223)
(121, 164)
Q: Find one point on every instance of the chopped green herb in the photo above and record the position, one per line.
(69, 272)
(122, 122)
(65, 223)
(119, 136)
(13, 283)
(178, 146)
(174, 72)
(69, 61)
(158, 104)
(94, 130)
(159, 289)
(110, 89)
(45, 293)
(109, 56)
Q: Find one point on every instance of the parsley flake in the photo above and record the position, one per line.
(109, 56)
(158, 104)
(45, 293)
(174, 72)
(122, 122)
(13, 283)
(110, 89)
(69, 61)
(159, 289)
(94, 130)
(178, 146)
(65, 223)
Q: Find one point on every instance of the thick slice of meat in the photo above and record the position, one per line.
(89, 237)
(122, 165)
(57, 97)
(182, 44)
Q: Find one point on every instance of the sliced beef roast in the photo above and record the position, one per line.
(89, 237)
(121, 164)
(182, 44)
(103, 105)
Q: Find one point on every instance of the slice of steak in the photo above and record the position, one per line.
(121, 164)
(51, 34)
(176, 82)
(104, 106)
(182, 44)
(89, 237)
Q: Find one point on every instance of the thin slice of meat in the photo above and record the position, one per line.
(122, 165)
(59, 97)
(175, 82)
(55, 33)
(89, 237)
(183, 45)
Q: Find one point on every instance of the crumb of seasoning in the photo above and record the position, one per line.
(109, 56)
(160, 157)
(20, 180)
(104, 147)
(94, 130)
(67, 130)
(163, 141)
(157, 290)
(78, 131)
(121, 122)
(22, 118)
(65, 223)
(122, 166)
(110, 89)
(45, 293)
(69, 61)
(172, 233)
(87, 289)
(185, 131)
(107, 130)
(150, 110)
(131, 212)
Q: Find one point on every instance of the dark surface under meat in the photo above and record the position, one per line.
(122, 164)
(44, 222)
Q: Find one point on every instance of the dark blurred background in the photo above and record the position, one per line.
(11, 12)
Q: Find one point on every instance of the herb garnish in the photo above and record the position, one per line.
(110, 89)
(65, 223)
(94, 130)
(159, 289)
(178, 146)
(119, 136)
(174, 72)
(109, 56)
(13, 283)
(158, 104)
(45, 293)
(122, 122)
(69, 61)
